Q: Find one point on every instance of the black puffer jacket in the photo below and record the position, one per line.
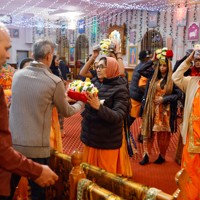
(136, 92)
(102, 128)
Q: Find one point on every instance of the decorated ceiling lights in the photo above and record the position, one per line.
(100, 9)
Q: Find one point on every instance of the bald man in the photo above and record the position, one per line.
(12, 161)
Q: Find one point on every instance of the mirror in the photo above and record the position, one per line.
(118, 33)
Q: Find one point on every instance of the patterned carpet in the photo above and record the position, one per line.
(159, 176)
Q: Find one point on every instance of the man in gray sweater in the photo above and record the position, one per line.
(35, 90)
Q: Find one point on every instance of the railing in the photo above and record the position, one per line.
(99, 183)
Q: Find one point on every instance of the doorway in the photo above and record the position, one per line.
(20, 56)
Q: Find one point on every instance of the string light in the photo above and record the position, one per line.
(153, 5)
(6, 5)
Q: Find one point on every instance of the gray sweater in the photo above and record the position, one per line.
(35, 90)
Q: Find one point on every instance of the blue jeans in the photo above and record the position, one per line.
(37, 192)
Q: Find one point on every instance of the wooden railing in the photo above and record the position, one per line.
(99, 183)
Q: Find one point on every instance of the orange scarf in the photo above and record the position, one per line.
(112, 70)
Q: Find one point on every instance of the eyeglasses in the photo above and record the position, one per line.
(100, 67)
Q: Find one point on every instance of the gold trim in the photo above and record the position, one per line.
(192, 148)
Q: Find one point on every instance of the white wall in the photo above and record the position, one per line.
(18, 44)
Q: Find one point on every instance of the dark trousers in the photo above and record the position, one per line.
(5, 198)
(37, 192)
(14, 183)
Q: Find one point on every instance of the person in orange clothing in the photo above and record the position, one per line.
(6, 74)
(190, 132)
(102, 124)
(159, 115)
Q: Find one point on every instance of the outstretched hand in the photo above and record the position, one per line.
(47, 177)
(190, 58)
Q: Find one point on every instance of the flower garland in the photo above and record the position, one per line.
(141, 24)
(120, 19)
(172, 21)
(195, 11)
(98, 28)
(135, 17)
(165, 28)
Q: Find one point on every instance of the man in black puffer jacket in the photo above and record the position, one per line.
(137, 89)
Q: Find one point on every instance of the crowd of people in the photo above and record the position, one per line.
(39, 104)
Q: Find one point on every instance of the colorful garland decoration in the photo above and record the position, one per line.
(141, 24)
(172, 21)
(135, 16)
(165, 28)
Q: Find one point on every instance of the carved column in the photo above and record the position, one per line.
(76, 173)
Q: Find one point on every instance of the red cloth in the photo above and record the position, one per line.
(195, 71)
(11, 160)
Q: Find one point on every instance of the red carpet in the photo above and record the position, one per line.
(159, 176)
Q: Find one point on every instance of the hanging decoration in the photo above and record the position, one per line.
(39, 27)
(94, 30)
(81, 26)
(153, 19)
(120, 19)
(141, 24)
(33, 32)
(164, 28)
(171, 24)
(181, 16)
(158, 25)
(132, 35)
(57, 33)
(6, 19)
(193, 31)
(63, 28)
(195, 11)
(115, 22)
(128, 26)
(98, 29)
(135, 17)
(103, 26)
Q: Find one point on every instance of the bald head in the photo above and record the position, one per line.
(4, 28)
(5, 44)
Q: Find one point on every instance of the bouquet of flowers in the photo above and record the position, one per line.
(161, 53)
(77, 90)
(105, 44)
